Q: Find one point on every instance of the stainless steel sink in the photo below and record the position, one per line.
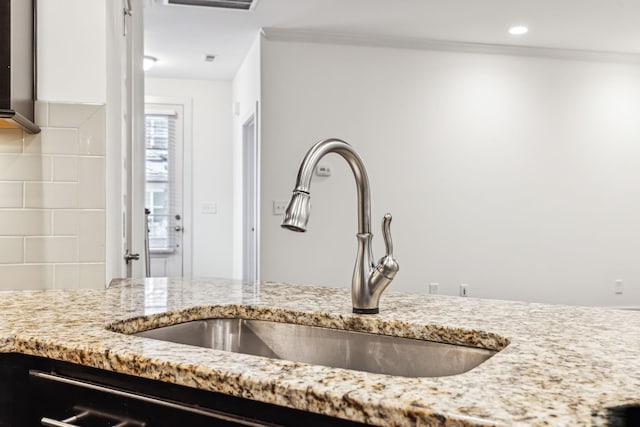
(381, 354)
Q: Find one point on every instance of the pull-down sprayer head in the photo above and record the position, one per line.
(296, 215)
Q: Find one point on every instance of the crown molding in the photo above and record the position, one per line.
(447, 46)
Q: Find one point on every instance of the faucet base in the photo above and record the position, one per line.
(366, 310)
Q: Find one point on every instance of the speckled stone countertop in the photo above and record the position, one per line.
(561, 365)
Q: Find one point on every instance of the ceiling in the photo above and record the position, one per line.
(180, 36)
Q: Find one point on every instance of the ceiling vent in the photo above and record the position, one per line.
(221, 4)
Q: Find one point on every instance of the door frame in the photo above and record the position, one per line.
(250, 206)
(134, 132)
(187, 175)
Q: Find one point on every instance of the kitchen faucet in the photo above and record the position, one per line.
(369, 280)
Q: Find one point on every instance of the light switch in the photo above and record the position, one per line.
(323, 170)
(210, 208)
(279, 206)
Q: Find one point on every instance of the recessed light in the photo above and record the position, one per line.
(518, 30)
(148, 62)
(209, 58)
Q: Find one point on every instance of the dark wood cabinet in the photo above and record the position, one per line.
(34, 390)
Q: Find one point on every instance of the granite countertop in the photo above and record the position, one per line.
(559, 365)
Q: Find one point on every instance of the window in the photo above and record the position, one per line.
(160, 179)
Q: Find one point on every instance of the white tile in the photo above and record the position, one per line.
(41, 110)
(91, 183)
(92, 276)
(52, 141)
(65, 276)
(65, 168)
(62, 195)
(66, 222)
(51, 249)
(25, 223)
(11, 194)
(80, 276)
(93, 134)
(24, 167)
(11, 140)
(70, 115)
(91, 236)
(90, 228)
(11, 250)
(21, 277)
(33, 142)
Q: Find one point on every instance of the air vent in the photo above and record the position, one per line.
(222, 4)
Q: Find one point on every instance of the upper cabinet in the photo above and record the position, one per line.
(17, 65)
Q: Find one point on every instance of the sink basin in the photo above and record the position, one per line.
(381, 354)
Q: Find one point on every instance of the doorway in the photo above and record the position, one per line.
(164, 189)
(250, 263)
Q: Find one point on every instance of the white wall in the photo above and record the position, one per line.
(210, 169)
(516, 175)
(72, 50)
(246, 95)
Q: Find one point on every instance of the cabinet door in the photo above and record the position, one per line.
(14, 391)
(89, 403)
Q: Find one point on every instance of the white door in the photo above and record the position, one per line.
(164, 186)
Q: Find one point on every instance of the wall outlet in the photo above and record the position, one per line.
(464, 290)
(617, 287)
(210, 208)
(434, 288)
(279, 206)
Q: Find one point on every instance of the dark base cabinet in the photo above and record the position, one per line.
(42, 392)
(14, 391)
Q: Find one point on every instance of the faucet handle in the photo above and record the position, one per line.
(386, 234)
(387, 267)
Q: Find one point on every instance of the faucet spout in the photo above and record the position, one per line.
(369, 280)
(305, 173)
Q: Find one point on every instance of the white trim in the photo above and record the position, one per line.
(157, 112)
(255, 114)
(187, 171)
(258, 143)
(134, 131)
(251, 205)
(114, 242)
(445, 45)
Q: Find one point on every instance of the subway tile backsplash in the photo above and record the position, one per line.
(52, 200)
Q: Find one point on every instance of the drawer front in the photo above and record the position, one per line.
(65, 401)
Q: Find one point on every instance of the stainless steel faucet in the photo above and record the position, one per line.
(369, 280)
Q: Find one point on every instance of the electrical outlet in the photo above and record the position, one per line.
(464, 290)
(617, 287)
(279, 206)
(434, 288)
